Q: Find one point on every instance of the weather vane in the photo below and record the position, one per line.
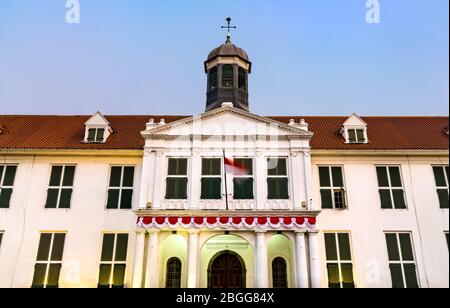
(229, 27)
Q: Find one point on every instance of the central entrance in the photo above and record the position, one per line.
(226, 271)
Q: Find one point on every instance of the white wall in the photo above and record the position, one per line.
(84, 223)
(367, 222)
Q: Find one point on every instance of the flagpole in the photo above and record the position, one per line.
(226, 185)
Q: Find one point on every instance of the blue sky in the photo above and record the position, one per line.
(310, 57)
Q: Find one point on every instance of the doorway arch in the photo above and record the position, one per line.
(227, 270)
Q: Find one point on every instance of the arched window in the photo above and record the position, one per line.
(279, 273)
(173, 274)
(212, 78)
(242, 82)
(227, 76)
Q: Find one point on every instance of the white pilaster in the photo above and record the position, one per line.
(152, 266)
(147, 168)
(262, 270)
(296, 174)
(192, 260)
(196, 170)
(158, 180)
(308, 178)
(301, 262)
(138, 269)
(314, 261)
(260, 180)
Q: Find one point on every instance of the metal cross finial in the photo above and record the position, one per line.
(229, 27)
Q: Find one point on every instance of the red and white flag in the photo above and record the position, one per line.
(235, 168)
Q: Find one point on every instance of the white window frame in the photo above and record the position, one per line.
(364, 129)
(187, 176)
(61, 187)
(49, 262)
(445, 176)
(339, 262)
(279, 176)
(2, 178)
(121, 187)
(334, 188)
(113, 261)
(212, 176)
(402, 262)
(247, 177)
(391, 188)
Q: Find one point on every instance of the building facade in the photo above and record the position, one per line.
(224, 199)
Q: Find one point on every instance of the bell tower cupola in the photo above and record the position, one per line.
(227, 68)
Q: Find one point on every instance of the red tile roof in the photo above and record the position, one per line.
(67, 132)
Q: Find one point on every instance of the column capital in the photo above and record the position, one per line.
(141, 231)
(300, 233)
(260, 232)
(153, 231)
(193, 232)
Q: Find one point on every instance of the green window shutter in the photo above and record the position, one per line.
(211, 189)
(128, 177)
(119, 276)
(338, 180)
(1, 173)
(176, 189)
(347, 276)
(53, 276)
(443, 198)
(411, 276)
(382, 175)
(330, 246)
(113, 199)
(55, 177)
(44, 247)
(116, 176)
(392, 246)
(386, 200)
(344, 247)
(327, 201)
(100, 135)
(394, 173)
(396, 276)
(243, 189)
(91, 135)
(333, 276)
(399, 198)
(58, 247)
(5, 197)
(278, 188)
(104, 275)
(108, 247)
(406, 247)
(324, 176)
(10, 174)
(121, 247)
(126, 199)
(360, 135)
(39, 276)
(64, 200)
(69, 173)
(52, 198)
(351, 136)
(439, 176)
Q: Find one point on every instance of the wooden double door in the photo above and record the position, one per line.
(227, 271)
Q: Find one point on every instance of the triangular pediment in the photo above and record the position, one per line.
(227, 121)
(97, 119)
(354, 120)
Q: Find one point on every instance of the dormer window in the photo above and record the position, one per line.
(97, 129)
(96, 135)
(354, 130)
(356, 136)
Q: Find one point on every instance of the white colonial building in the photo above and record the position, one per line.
(146, 201)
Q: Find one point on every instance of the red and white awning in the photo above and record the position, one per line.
(275, 223)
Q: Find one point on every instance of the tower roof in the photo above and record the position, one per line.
(228, 50)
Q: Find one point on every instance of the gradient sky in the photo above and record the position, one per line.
(310, 57)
